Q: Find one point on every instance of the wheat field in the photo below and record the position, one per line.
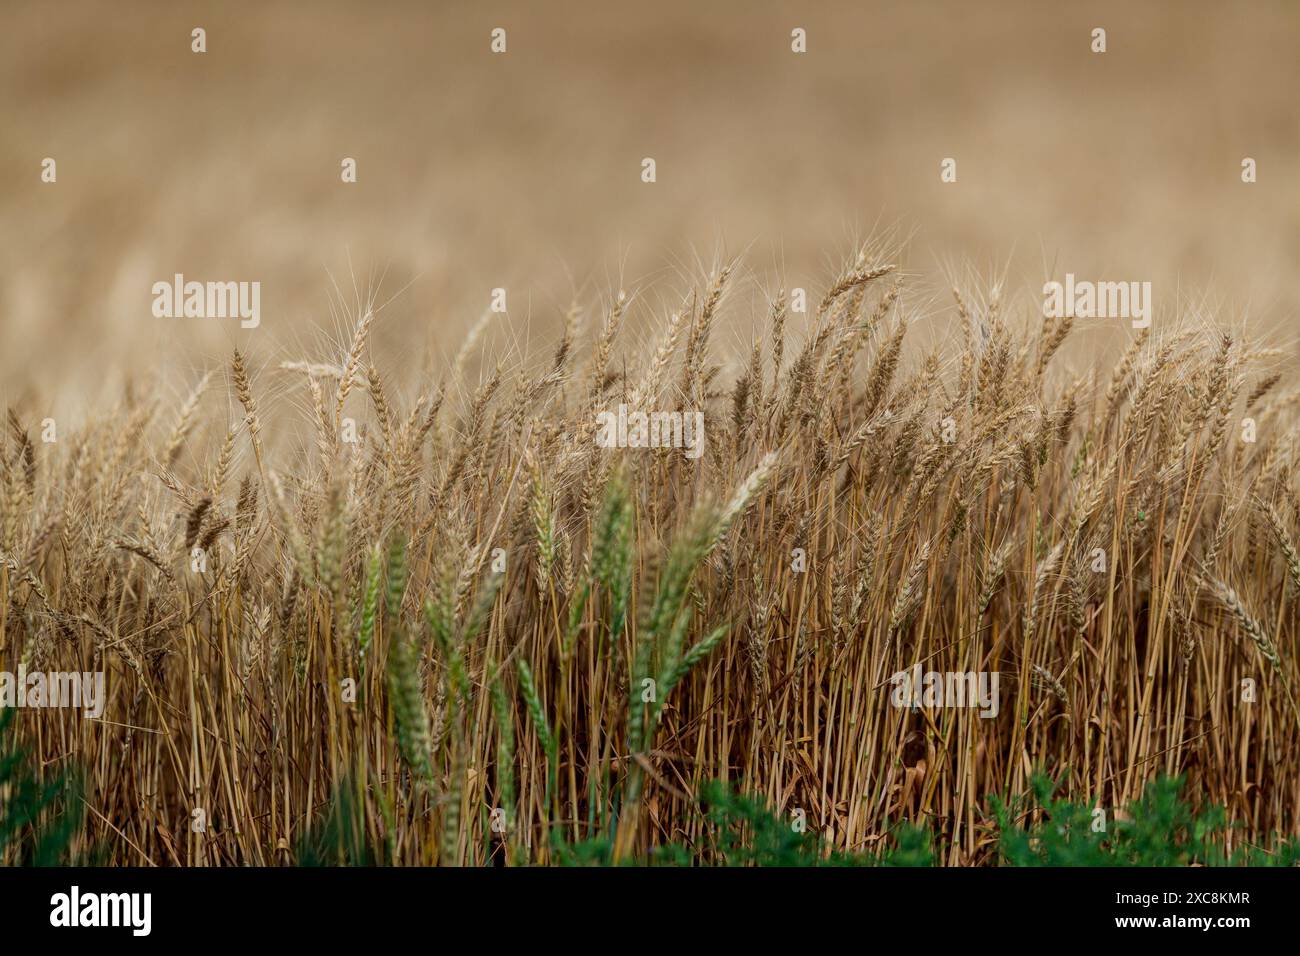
(545, 512)
(456, 613)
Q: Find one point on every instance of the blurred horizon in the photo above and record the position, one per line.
(522, 170)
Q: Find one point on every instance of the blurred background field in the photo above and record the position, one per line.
(522, 170)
